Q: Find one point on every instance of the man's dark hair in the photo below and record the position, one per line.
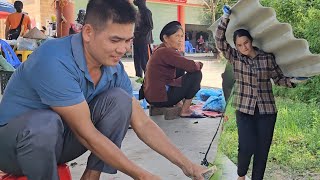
(18, 5)
(240, 33)
(100, 12)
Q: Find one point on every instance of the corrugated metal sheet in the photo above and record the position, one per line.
(292, 54)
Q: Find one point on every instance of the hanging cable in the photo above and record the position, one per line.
(205, 162)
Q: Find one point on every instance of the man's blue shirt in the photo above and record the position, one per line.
(56, 74)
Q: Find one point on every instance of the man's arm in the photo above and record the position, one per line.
(29, 23)
(78, 118)
(152, 135)
(25, 30)
(22, 31)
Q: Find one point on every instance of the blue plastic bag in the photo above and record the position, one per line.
(215, 103)
(143, 102)
(204, 94)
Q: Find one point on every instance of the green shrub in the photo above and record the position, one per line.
(308, 92)
(311, 24)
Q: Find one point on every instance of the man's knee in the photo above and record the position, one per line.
(111, 112)
(115, 99)
(122, 100)
(119, 96)
(42, 132)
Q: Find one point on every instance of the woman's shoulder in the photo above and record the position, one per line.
(165, 50)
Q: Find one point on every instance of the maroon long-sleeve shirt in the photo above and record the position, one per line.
(161, 71)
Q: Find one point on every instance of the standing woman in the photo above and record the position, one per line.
(256, 111)
(162, 88)
(13, 21)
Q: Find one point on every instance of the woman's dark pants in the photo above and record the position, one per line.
(190, 86)
(255, 137)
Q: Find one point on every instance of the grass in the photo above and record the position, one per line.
(218, 163)
(296, 144)
(307, 92)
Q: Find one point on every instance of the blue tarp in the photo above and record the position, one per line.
(6, 7)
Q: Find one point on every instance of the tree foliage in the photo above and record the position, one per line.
(311, 29)
(213, 9)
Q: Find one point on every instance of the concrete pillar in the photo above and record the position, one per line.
(65, 16)
(181, 19)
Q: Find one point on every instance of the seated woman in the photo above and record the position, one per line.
(200, 43)
(162, 88)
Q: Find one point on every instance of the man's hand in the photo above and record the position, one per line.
(226, 11)
(197, 172)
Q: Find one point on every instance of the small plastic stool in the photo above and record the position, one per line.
(143, 102)
(23, 54)
(63, 170)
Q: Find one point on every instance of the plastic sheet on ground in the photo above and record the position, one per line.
(212, 99)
